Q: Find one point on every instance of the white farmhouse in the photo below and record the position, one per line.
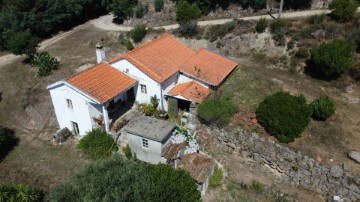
(164, 67)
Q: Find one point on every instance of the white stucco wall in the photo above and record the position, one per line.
(151, 154)
(153, 88)
(78, 114)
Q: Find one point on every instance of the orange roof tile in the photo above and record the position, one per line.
(191, 90)
(102, 81)
(209, 67)
(159, 58)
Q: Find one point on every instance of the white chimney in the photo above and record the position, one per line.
(100, 54)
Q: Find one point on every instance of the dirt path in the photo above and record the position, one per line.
(105, 22)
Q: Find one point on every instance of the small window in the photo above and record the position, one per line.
(145, 143)
(143, 89)
(69, 103)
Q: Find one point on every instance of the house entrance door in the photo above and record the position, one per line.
(173, 106)
(75, 128)
(130, 94)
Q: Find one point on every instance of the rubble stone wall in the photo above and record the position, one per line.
(295, 167)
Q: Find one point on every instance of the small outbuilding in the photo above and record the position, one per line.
(148, 137)
(200, 168)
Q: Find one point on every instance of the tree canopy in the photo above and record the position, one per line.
(117, 179)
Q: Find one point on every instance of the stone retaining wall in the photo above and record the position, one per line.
(296, 168)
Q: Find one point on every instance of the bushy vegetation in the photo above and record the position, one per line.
(122, 9)
(322, 108)
(127, 151)
(331, 59)
(96, 144)
(261, 25)
(343, 10)
(355, 38)
(186, 12)
(189, 28)
(219, 31)
(217, 177)
(19, 193)
(22, 43)
(148, 109)
(214, 111)
(41, 18)
(159, 5)
(138, 33)
(140, 10)
(317, 19)
(257, 186)
(259, 55)
(127, 180)
(45, 63)
(283, 115)
(302, 53)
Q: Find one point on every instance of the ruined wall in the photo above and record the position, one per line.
(296, 168)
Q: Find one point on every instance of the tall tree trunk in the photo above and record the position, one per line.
(281, 8)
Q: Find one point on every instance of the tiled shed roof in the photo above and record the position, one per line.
(102, 81)
(191, 90)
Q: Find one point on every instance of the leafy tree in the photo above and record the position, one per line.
(297, 4)
(216, 111)
(186, 12)
(122, 10)
(45, 63)
(159, 5)
(331, 59)
(117, 179)
(261, 25)
(138, 33)
(23, 43)
(255, 4)
(140, 10)
(343, 10)
(322, 108)
(284, 115)
(96, 144)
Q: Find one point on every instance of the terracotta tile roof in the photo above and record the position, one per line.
(164, 56)
(191, 90)
(209, 67)
(102, 82)
(160, 58)
(199, 166)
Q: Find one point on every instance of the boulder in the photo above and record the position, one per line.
(354, 155)
(336, 172)
(347, 167)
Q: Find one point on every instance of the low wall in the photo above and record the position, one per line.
(296, 168)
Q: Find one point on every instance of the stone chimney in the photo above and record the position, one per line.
(100, 54)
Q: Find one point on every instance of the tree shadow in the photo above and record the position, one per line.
(313, 72)
(10, 142)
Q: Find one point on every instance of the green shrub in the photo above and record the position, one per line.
(138, 33)
(186, 12)
(149, 110)
(278, 28)
(140, 10)
(18, 193)
(283, 115)
(159, 5)
(331, 59)
(302, 53)
(219, 31)
(154, 101)
(129, 45)
(22, 43)
(122, 10)
(216, 111)
(261, 25)
(188, 28)
(216, 178)
(355, 38)
(322, 108)
(317, 19)
(96, 144)
(45, 63)
(259, 55)
(127, 152)
(257, 186)
(343, 10)
(119, 179)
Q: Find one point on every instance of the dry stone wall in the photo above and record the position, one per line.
(295, 167)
